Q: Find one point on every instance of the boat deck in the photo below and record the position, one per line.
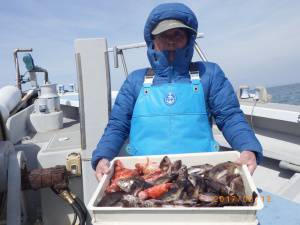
(278, 211)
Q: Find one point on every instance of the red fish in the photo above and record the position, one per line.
(119, 173)
(155, 192)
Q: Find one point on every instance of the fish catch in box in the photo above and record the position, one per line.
(173, 184)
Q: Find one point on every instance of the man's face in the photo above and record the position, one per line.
(170, 40)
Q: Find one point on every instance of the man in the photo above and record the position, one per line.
(167, 109)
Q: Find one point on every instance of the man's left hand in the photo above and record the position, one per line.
(248, 158)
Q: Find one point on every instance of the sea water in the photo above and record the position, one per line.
(285, 94)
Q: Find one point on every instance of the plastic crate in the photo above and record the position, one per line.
(177, 215)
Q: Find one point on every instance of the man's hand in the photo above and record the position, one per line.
(102, 168)
(248, 158)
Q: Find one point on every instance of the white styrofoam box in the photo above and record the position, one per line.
(177, 215)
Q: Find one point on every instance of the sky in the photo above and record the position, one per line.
(255, 42)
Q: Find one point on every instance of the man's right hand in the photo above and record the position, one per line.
(102, 168)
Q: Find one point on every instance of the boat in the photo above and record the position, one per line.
(42, 129)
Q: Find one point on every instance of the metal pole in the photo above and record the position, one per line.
(18, 82)
(125, 47)
(16, 60)
(200, 53)
(124, 63)
(81, 101)
(116, 61)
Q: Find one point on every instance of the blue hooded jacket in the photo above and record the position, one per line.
(221, 100)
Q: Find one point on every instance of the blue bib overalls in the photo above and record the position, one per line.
(171, 118)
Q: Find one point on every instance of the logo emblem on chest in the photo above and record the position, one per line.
(170, 99)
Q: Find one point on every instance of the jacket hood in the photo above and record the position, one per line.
(159, 60)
